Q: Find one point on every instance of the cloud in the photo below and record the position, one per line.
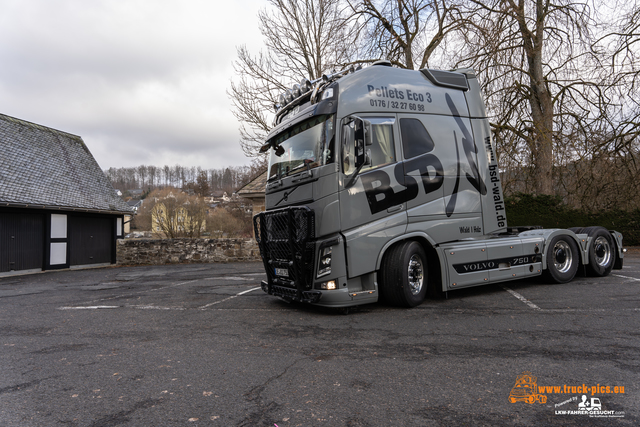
(143, 82)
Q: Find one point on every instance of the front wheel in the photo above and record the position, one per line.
(403, 275)
(563, 258)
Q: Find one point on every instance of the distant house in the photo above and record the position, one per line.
(255, 192)
(218, 197)
(57, 208)
(134, 204)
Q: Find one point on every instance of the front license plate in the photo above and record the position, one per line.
(282, 272)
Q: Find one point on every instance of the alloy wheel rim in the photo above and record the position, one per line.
(562, 256)
(416, 274)
(602, 251)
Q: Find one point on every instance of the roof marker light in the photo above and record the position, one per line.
(327, 94)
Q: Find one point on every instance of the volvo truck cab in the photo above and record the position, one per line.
(383, 183)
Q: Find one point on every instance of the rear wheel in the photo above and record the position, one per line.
(403, 275)
(601, 251)
(562, 258)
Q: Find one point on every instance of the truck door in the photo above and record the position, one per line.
(440, 155)
(372, 197)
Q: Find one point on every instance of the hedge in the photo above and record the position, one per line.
(551, 212)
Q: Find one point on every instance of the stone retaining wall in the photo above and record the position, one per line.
(175, 251)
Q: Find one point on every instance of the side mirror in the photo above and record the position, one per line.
(265, 148)
(357, 132)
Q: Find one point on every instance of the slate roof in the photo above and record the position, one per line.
(255, 188)
(42, 167)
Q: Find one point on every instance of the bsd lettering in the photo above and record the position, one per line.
(377, 183)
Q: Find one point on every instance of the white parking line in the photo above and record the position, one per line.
(521, 298)
(626, 277)
(142, 291)
(148, 307)
(154, 307)
(227, 299)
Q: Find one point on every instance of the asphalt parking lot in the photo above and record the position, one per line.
(201, 344)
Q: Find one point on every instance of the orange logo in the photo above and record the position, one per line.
(526, 390)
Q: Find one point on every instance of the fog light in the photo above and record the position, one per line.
(331, 284)
(305, 85)
(296, 91)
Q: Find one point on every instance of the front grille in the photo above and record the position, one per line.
(286, 241)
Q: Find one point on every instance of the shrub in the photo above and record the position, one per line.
(550, 212)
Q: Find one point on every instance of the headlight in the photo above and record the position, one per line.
(324, 264)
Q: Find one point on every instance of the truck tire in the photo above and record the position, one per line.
(601, 251)
(577, 230)
(404, 275)
(563, 258)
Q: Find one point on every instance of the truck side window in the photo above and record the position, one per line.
(382, 148)
(415, 138)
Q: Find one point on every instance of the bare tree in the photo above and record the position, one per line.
(142, 172)
(543, 81)
(303, 39)
(625, 36)
(407, 32)
(194, 220)
(175, 214)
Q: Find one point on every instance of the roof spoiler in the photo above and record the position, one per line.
(450, 79)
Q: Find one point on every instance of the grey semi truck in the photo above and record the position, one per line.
(383, 184)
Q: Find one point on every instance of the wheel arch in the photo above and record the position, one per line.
(617, 238)
(549, 234)
(424, 239)
(434, 262)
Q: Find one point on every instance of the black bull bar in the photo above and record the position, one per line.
(286, 238)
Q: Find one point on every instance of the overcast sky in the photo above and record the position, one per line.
(141, 81)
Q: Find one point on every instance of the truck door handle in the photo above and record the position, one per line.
(394, 208)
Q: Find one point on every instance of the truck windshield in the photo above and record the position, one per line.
(307, 144)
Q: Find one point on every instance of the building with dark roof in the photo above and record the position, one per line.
(57, 208)
(254, 190)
